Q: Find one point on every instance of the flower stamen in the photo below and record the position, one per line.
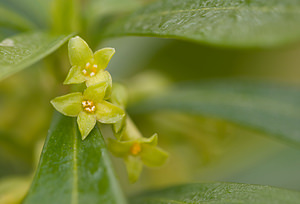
(135, 148)
(89, 69)
(88, 106)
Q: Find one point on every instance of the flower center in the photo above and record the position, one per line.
(90, 69)
(88, 106)
(135, 149)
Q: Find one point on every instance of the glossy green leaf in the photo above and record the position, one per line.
(271, 109)
(221, 193)
(21, 51)
(236, 23)
(72, 170)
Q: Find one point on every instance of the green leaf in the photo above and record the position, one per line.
(225, 23)
(72, 170)
(271, 109)
(221, 193)
(21, 51)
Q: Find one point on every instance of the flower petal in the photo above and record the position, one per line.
(75, 76)
(103, 56)
(69, 105)
(108, 113)
(134, 168)
(118, 148)
(151, 140)
(79, 51)
(101, 76)
(95, 92)
(153, 156)
(86, 122)
(118, 126)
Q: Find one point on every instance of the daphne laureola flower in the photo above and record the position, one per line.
(88, 107)
(137, 150)
(104, 102)
(87, 66)
(130, 145)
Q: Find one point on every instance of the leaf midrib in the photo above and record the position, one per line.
(75, 164)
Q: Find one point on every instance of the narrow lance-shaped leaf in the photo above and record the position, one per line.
(271, 109)
(221, 193)
(235, 23)
(21, 51)
(72, 170)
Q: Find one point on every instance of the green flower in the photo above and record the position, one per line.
(89, 106)
(87, 66)
(138, 152)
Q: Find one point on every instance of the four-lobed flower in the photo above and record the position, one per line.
(88, 107)
(137, 152)
(87, 66)
(130, 145)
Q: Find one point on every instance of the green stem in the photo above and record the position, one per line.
(132, 132)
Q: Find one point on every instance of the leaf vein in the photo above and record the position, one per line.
(75, 169)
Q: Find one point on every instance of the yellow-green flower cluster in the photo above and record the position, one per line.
(106, 102)
(91, 105)
(130, 145)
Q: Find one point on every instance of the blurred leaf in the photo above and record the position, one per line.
(96, 8)
(6, 32)
(13, 20)
(227, 23)
(21, 51)
(14, 156)
(271, 109)
(99, 14)
(221, 193)
(13, 190)
(141, 50)
(66, 16)
(72, 170)
(34, 11)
